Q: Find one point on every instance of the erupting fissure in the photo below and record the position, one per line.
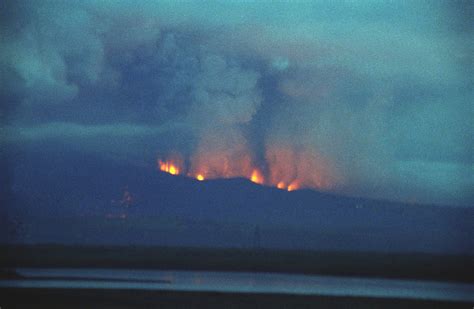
(305, 171)
(257, 177)
(169, 167)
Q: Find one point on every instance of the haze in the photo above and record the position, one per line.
(362, 98)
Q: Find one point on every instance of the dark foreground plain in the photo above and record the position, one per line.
(361, 264)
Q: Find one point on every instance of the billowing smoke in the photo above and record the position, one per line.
(370, 100)
(225, 97)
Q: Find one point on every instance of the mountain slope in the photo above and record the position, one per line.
(63, 196)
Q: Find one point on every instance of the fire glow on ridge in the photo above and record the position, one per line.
(284, 170)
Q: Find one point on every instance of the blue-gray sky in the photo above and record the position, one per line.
(379, 91)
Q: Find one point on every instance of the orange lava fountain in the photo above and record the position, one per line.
(285, 168)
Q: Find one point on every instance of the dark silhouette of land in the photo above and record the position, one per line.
(71, 198)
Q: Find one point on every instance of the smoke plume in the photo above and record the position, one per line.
(355, 98)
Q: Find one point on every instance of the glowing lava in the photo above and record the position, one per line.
(285, 168)
(172, 166)
(257, 177)
(293, 186)
(168, 167)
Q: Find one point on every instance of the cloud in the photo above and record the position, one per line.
(56, 49)
(224, 92)
(358, 87)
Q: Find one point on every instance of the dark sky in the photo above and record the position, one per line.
(374, 98)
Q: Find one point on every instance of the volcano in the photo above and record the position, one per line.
(100, 200)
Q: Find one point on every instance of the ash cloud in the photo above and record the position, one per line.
(378, 95)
